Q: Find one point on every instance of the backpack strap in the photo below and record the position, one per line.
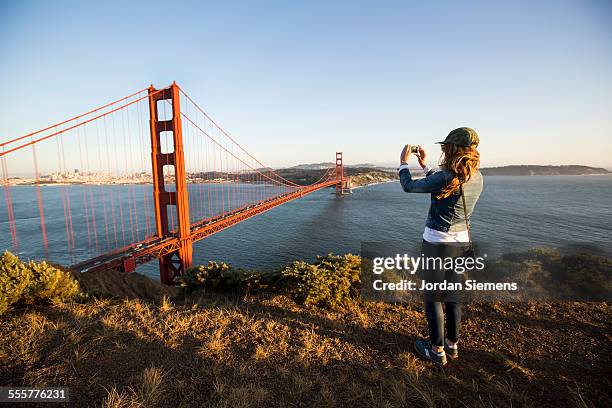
(467, 221)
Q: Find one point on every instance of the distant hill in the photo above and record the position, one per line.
(364, 165)
(302, 171)
(359, 175)
(529, 170)
(327, 165)
(313, 166)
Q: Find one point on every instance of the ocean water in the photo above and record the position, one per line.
(513, 214)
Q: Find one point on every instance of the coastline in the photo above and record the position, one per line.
(373, 183)
(358, 180)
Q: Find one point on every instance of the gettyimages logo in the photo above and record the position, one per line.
(411, 264)
(436, 273)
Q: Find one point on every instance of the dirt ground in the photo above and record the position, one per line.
(211, 350)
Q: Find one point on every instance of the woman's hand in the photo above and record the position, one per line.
(422, 156)
(405, 155)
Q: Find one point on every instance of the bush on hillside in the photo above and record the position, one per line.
(221, 277)
(546, 274)
(333, 281)
(33, 282)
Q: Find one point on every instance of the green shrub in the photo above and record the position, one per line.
(547, 274)
(333, 281)
(33, 282)
(221, 277)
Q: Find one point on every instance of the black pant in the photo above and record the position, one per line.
(435, 321)
(434, 300)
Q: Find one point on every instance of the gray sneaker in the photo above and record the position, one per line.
(423, 349)
(451, 353)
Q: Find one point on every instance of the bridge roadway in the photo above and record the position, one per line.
(129, 257)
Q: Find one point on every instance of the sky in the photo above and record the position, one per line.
(294, 82)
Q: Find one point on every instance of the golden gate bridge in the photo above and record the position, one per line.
(154, 174)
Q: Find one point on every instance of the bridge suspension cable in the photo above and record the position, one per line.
(231, 138)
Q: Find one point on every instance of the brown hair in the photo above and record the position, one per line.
(462, 161)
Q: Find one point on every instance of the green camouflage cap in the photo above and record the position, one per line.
(463, 136)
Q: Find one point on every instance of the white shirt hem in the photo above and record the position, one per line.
(434, 236)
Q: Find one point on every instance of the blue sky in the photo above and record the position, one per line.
(296, 81)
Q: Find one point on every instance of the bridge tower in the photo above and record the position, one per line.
(342, 185)
(166, 200)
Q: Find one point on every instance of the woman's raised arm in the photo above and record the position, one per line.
(434, 183)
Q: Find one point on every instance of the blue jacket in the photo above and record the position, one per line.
(445, 214)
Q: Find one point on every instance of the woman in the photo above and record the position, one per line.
(446, 232)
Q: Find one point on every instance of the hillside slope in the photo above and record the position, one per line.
(211, 350)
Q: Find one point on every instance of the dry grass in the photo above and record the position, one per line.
(214, 351)
(146, 392)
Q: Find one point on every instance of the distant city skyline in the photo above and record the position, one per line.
(296, 82)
